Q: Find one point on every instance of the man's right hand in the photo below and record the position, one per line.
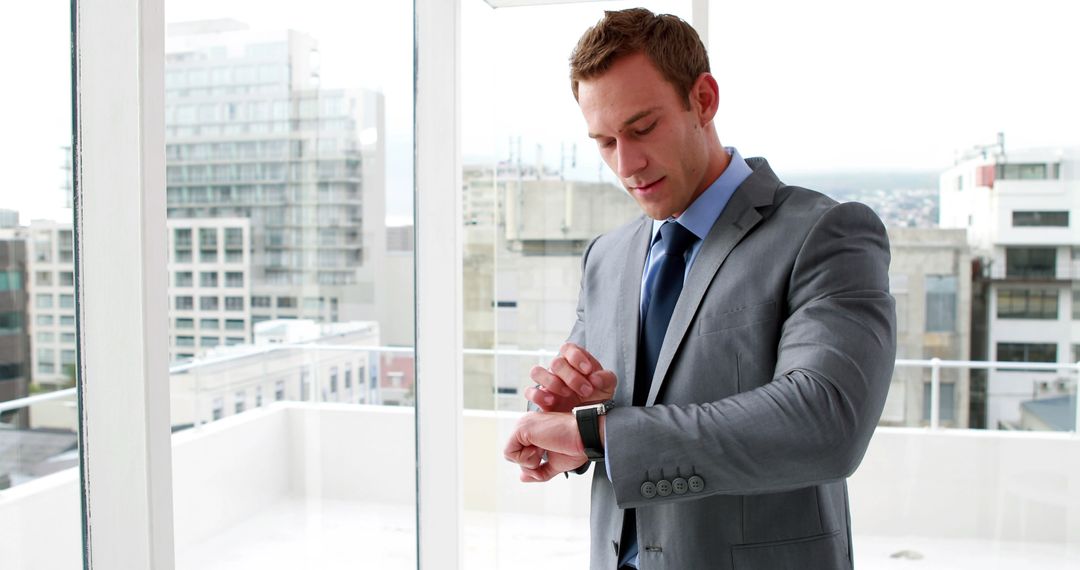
(574, 378)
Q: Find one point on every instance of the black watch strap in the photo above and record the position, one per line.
(588, 422)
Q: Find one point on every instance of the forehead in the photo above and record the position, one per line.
(632, 85)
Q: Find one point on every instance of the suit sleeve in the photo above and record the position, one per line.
(812, 423)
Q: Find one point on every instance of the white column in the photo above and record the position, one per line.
(439, 399)
(121, 283)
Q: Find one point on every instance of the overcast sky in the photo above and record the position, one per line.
(814, 86)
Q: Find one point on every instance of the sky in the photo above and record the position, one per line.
(831, 85)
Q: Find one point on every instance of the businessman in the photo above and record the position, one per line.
(733, 346)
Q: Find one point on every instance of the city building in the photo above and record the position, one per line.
(14, 334)
(251, 134)
(930, 279)
(209, 285)
(51, 287)
(1018, 207)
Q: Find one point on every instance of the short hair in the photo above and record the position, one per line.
(672, 45)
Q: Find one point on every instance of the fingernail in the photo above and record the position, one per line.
(585, 367)
(549, 399)
(586, 390)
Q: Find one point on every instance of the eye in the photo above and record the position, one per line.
(607, 143)
(647, 129)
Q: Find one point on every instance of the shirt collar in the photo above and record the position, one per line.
(706, 209)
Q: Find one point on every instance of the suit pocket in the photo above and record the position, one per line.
(822, 552)
(717, 322)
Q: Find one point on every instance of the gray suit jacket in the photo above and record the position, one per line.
(769, 384)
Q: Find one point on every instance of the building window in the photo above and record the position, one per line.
(40, 278)
(240, 401)
(333, 380)
(941, 303)
(209, 324)
(67, 338)
(1040, 219)
(1027, 304)
(45, 337)
(183, 279)
(184, 303)
(44, 320)
(219, 409)
(209, 341)
(67, 357)
(185, 323)
(1026, 352)
(234, 303)
(67, 279)
(208, 238)
(1028, 171)
(1031, 262)
(46, 360)
(208, 303)
(286, 302)
(208, 279)
(258, 397)
(11, 323)
(67, 301)
(279, 390)
(182, 256)
(182, 238)
(234, 279)
(234, 237)
(43, 301)
(234, 324)
(234, 256)
(233, 340)
(946, 405)
(185, 341)
(348, 378)
(261, 302)
(1076, 302)
(67, 320)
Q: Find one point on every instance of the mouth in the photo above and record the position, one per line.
(646, 188)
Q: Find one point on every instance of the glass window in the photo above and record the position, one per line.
(208, 238)
(208, 303)
(44, 320)
(1027, 304)
(67, 338)
(241, 397)
(234, 303)
(209, 341)
(43, 301)
(234, 279)
(183, 279)
(183, 323)
(286, 302)
(40, 278)
(234, 324)
(184, 303)
(233, 340)
(1031, 262)
(67, 279)
(1026, 352)
(1040, 219)
(212, 324)
(67, 320)
(260, 301)
(67, 301)
(46, 337)
(279, 390)
(208, 279)
(946, 404)
(67, 357)
(185, 341)
(940, 303)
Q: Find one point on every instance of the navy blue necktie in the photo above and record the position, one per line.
(664, 292)
(667, 283)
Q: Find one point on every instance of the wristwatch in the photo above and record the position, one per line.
(588, 423)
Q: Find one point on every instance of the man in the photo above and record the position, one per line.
(742, 329)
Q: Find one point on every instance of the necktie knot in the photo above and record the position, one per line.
(675, 239)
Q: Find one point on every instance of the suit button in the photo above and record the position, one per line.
(648, 489)
(680, 486)
(663, 487)
(697, 484)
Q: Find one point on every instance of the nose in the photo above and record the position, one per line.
(629, 159)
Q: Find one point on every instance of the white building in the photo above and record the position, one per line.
(1018, 207)
(51, 288)
(250, 133)
(209, 285)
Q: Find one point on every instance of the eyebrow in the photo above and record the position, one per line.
(633, 119)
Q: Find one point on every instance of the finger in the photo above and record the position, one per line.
(542, 473)
(543, 399)
(549, 381)
(571, 377)
(604, 382)
(579, 358)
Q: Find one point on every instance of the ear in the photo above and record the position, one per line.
(705, 98)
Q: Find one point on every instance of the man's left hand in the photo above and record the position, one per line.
(537, 432)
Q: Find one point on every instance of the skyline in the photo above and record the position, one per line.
(858, 95)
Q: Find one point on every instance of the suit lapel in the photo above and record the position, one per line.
(738, 218)
(629, 308)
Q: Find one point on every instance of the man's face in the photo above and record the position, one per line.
(646, 135)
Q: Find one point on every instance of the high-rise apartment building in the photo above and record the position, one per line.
(1019, 208)
(51, 288)
(14, 337)
(251, 134)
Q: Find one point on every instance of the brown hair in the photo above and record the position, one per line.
(670, 43)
